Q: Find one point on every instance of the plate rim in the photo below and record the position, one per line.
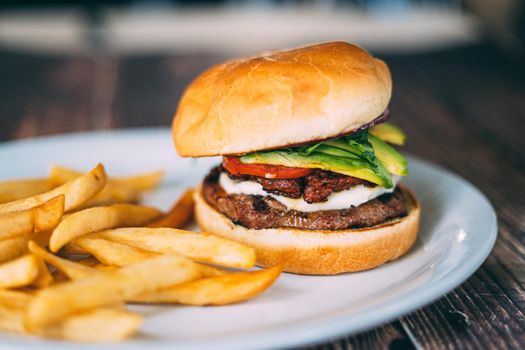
(309, 331)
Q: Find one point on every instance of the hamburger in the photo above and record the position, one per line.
(310, 170)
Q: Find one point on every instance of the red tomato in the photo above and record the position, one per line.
(236, 167)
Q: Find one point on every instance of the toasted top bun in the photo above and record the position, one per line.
(281, 98)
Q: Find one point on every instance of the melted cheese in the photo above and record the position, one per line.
(337, 200)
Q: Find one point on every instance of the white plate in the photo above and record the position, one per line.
(457, 233)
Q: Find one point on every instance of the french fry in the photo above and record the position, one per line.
(17, 246)
(100, 218)
(57, 302)
(19, 272)
(222, 290)
(11, 319)
(12, 190)
(102, 267)
(12, 248)
(89, 261)
(144, 182)
(44, 278)
(102, 325)
(179, 214)
(71, 269)
(76, 192)
(14, 299)
(114, 194)
(212, 271)
(40, 218)
(72, 249)
(198, 246)
(113, 253)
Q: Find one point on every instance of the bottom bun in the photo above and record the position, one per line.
(319, 252)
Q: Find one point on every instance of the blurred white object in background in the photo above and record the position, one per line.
(238, 30)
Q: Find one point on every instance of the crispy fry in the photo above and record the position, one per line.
(12, 248)
(19, 272)
(44, 277)
(12, 190)
(211, 271)
(40, 218)
(179, 214)
(14, 299)
(113, 253)
(71, 269)
(76, 192)
(143, 182)
(103, 325)
(60, 301)
(98, 219)
(102, 267)
(114, 194)
(89, 261)
(11, 319)
(17, 246)
(199, 246)
(72, 249)
(222, 290)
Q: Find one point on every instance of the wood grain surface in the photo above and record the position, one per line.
(462, 108)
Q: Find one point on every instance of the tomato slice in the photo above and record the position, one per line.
(236, 167)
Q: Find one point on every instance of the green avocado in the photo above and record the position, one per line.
(389, 133)
(325, 159)
(393, 161)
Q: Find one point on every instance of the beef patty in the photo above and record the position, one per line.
(260, 212)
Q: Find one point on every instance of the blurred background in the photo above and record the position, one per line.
(84, 65)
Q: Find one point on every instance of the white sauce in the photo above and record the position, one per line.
(337, 200)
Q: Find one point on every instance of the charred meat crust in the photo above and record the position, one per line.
(260, 212)
(314, 188)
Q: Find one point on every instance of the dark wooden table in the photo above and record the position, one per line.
(462, 108)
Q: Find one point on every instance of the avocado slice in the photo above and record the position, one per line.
(389, 133)
(322, 159)
(393, 161)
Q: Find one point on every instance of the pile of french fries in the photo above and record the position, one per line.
(76, 248)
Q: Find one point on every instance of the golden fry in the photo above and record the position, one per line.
(71, 249)
(102, 325)
(40, 218)
(98, 219)
(143, 182)
(71, 269)
(44, 277)
(11, 319)
(198, 246)
(57, 302)
(76, 192)
(179, 214)
(12, 190)
(114, 194)
(113, 253)
(102, 267)
(222, 290)
(14, 299)
(12, 248)
(19, 272)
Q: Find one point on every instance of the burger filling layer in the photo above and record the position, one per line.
(260, 211)
(341, 183)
